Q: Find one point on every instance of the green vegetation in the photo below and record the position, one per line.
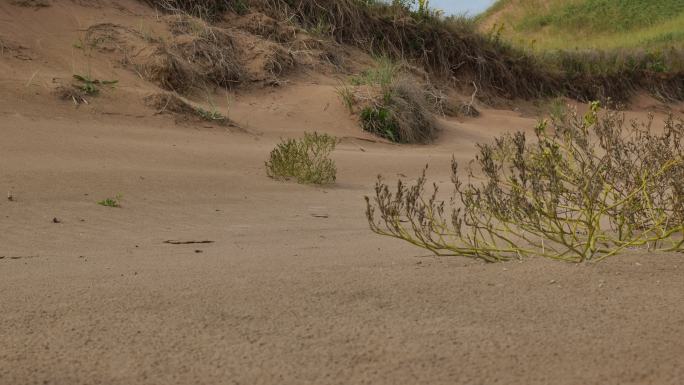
(383, 74)
(582, 24)
(91, 86)
(587, 188)
(212, 115)
(111, 202)
(389, 104)
(307, 160)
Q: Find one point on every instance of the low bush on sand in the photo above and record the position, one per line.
(400, 114)
(307, 160)
(587, 187)
(390, 104)
(111, 202)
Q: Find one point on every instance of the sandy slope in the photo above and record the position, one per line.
(294, 289)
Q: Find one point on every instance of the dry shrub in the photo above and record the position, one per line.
(392, 105)
(400, 114)
(265, 61)
(587, 188)
(262, 25)
(197, 56)
(71, 93)
(205, 9)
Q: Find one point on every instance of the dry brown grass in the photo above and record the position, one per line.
(31, 3)
(453, 51)
(198, 56)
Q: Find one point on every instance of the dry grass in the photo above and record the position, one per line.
(31, 3)
(199, 55)
(453, 51)
(169, 103)
(392, 104)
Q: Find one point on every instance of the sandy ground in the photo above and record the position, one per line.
(294, 288)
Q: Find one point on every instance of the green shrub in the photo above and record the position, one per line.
(587, 188)
(306, 160)
(400, 114)
(391, 105)
(111, 202)
(381, 122)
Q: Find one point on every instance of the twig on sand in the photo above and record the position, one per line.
(172, 242)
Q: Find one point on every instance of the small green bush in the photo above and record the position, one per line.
(378, 120)
(391, 105)
(212, 115)
(111, 202)
(306, 160)
(92, 86)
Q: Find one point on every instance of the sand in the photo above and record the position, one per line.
(294, 288)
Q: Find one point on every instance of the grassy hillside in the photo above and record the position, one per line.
(579, 24)
(452, 49)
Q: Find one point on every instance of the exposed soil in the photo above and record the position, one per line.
(212, 273)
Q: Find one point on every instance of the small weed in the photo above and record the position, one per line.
(558, 109)
(92, 86)
(210, 115)
(347, 95)
(111, 202)
(306, 159)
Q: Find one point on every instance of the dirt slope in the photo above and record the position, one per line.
(294, 288)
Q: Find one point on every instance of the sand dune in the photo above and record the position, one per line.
(293, 288)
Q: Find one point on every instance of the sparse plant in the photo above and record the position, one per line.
(558, 108)
(346, 93)
(111, 202)
(212, 115)
(588, 188)
(307, 160)
(92, 86)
